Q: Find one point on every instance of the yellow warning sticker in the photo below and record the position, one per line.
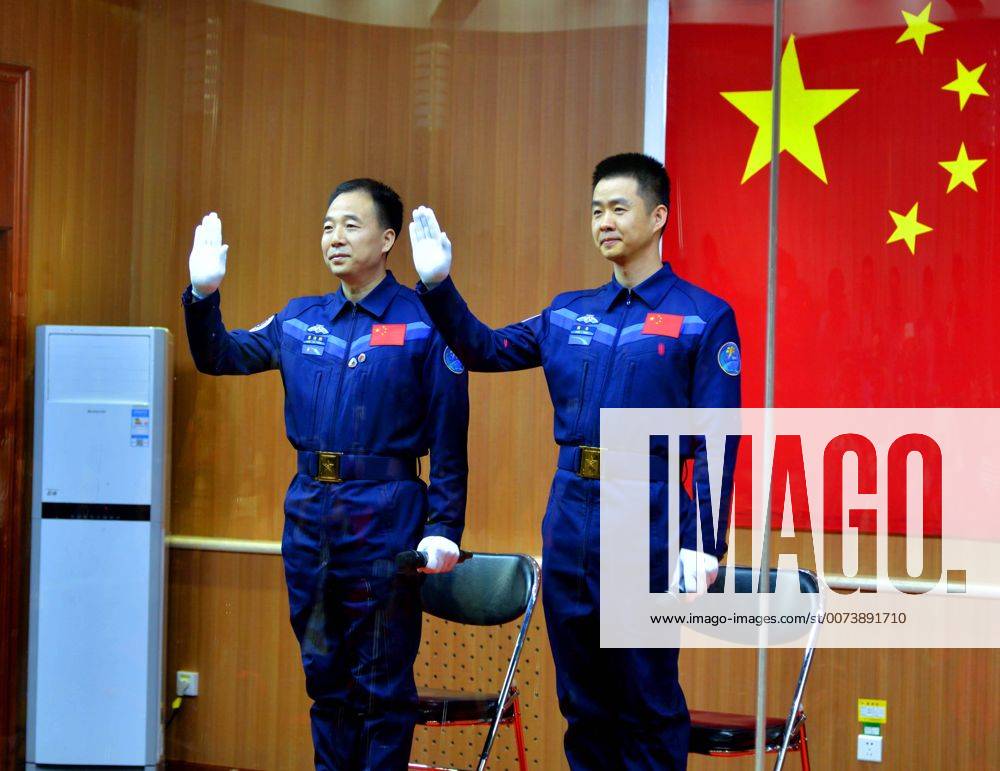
(872, 710)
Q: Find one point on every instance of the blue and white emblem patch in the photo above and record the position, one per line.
(313, 345)
(582, 332)
(729, 358)
(452, 362)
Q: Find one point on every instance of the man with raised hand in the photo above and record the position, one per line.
(369, 388)
(647, 338)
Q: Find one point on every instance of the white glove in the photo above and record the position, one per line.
(442, 554)
(698, 571)
(431, 248)
(208, 256)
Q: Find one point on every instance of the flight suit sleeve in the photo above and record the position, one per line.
(716, 383)
(482, 349)
(448, 429)
(217, 351)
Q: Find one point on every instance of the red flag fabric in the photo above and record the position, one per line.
(664, 324)
(388, 334)
(888, 196)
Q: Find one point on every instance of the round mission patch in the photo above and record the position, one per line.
(729, 358)
(452, 362)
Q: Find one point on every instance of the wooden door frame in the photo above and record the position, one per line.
(14, 461)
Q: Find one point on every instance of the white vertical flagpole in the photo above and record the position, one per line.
(655, 118)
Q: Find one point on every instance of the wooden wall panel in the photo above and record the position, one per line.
(257, 113)
(247, 110)
(9, 126)
(83, 58)
(936, 702)
(228, 620)
(15, 98)
(77, 230)
(149, 114)
(932, 694)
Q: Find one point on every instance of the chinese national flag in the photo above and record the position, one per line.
(888, 207)
(663, 324)
(388, 334)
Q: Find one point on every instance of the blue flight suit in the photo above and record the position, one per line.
(624, 707)
(374, 381)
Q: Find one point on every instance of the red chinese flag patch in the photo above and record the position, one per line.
(388, 334)
(663, 324)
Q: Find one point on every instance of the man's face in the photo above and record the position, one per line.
(354, 241)
(621, 221)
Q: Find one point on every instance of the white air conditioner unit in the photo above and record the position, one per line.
(100, 505)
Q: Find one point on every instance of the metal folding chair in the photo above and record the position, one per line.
(487, 590)
(723, 734)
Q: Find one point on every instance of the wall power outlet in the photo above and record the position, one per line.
(870, 748)
(187, 683)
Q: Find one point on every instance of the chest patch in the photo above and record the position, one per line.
(582, 330)
(663, 324)
(388, 334)
(581, 334)
(313, 344)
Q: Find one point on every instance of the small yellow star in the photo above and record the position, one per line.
(966, 84)
(918, 27)
(907, 228)
(962, 169)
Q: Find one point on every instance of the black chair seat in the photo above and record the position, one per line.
(713, 732)
(441, 706)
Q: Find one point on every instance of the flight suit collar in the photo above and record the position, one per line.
(374, 303)
(651, 291)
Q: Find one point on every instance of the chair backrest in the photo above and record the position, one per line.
(793, 593)
(746, 581)
(744, 578)
(486, 590)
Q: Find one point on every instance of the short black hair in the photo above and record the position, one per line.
(387, 201)
(649, 174)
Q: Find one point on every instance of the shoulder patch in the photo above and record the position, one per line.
(729, 358)
(263, 324)
(452, 362)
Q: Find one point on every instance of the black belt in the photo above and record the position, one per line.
(338, 467)
(585, 461)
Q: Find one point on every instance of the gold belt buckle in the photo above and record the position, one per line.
(328, 468)
(590, 462)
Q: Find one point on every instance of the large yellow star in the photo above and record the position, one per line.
(966, 84)
(918, 27)
(907, 228)
(801, 110)
(962, 169)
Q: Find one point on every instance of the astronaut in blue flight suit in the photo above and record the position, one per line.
(647, 338)
(369, 388)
